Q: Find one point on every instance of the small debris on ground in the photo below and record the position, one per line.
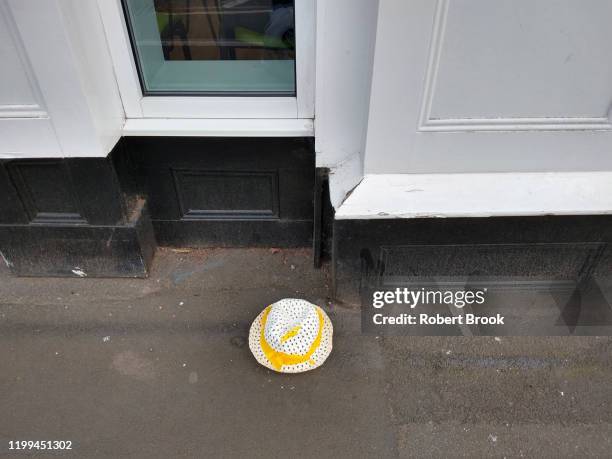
(79, 272)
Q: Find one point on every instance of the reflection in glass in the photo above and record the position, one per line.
(214, 46)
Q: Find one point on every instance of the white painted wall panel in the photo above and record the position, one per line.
(522, 59)
(25, 126)
(491, 86)
(27, 138)
(15, 87)
(58, 93)
(94, 66)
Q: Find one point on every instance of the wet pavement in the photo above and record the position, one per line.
(160, 368)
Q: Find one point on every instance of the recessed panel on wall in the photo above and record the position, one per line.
(19, 92)
(491, 86)
(206, 195)
(512, 62)
(25, 127)
(46, 191)
(510, 266)
(223, 192)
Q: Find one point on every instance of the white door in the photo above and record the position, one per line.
(490, 86)
(25, 125)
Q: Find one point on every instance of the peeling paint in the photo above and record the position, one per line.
(344, 178)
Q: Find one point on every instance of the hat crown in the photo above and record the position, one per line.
(292, 326)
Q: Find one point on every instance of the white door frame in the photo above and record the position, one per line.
(138, 106)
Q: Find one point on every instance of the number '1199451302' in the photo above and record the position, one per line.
(39, 445)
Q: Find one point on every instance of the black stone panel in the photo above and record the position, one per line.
(517, 251)
(80, 251)
(204, 195)
(76, 191)
(98, 188)
(65, 216)
(544, 261)
(11, 207)
(46, 191)
(226, 192)
(229, 233)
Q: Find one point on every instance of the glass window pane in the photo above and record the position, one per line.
(215, 47)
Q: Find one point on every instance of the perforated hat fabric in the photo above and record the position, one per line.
(291, 336)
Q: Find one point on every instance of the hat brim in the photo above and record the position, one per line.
(316, 360)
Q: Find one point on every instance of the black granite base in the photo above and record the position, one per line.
(223, 192)
(124, 250)
(70, 217)
(506, 252)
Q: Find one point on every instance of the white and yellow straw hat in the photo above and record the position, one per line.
(291, 336)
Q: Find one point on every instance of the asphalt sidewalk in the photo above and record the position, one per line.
(160, 368)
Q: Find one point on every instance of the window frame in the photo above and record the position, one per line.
(138, 105)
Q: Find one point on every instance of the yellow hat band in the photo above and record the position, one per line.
(279, 359)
